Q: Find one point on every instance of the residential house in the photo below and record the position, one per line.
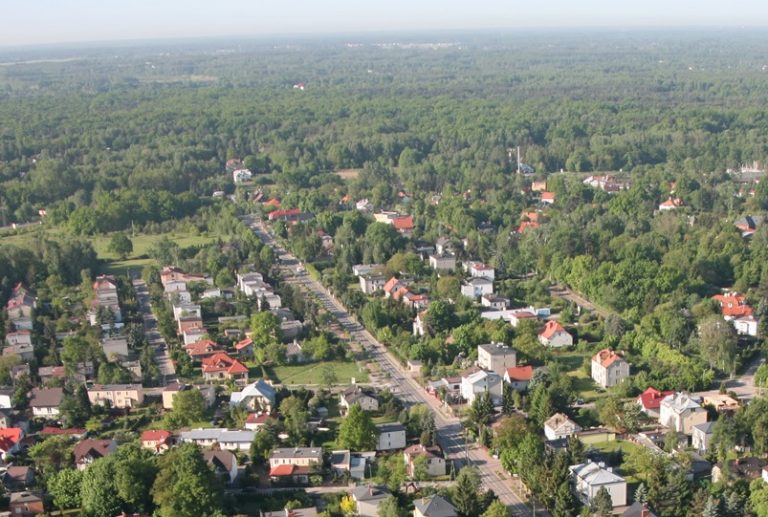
(721, 402)
(45, 402)
(25, 504)
(560, 426)
(367, 269)
(518, 377)
(450, 385)
(118, 396)
(548, 198)
(199, 350)
(157, 440)
(701, 436)
(10, 441)
(638, 509)
(257, 396)
(514, 317)
(294, 353)
(241, 175)
(223, 463)
(672, 203)
(479, 270)
(371, 283)
(174, 274)
(364, 205)
(222, 367)
(368, 498)
(746, 469)
(24, 351)
(244, 348)
(681, 412)
(19, 337)
(609, 368)
(6, 398)
(403, 224)
(18, 477)
(735, 309)
(748, 224)
(365, 398)
(390, 436)
(194, 334)
(496, 357)
(444, 246)
(433, 506)
(420, 326)
(185, 323)
(227, 439)
(255, 421)
(293, 215)
(554, 335)
(344, 461)
(480, 382)
(590, 477)
(442, 262)
(297, 456)
(170, 392)
(435, 463)
(115, 348)
(650, 401)
(393, 285)
(494, 301)
(20, 307)
(476, 287)
(104, 299)
(89, 450)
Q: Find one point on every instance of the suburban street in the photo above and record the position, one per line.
(162, 354)
(450, 430)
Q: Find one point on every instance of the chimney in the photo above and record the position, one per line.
(644, 512)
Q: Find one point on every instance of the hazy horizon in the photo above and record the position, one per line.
(87, 21)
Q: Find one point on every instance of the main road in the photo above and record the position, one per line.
(449, 429)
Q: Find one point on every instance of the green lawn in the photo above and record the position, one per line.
(312, 373)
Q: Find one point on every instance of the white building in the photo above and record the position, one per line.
(496, 357)
(241, 175)
(560, 426)
(476, 287)
(227, 439)
(258, 395)
(390, 436)
(554, 335)
(609, 368)
(442, 262)
(589, 478)
(479, 270)
(681, 412)
(480, 382)
(701, 436)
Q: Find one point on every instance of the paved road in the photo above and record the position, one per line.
(568, 295)
(449, 429)
(744, 384)
(162, 354)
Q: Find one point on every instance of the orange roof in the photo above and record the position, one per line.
(734, 305)
(391, 283)
(400, 293)
(404, 222)
(527, 224)
(547, 196)
(10, 437)
(550, 329)
(221, 362)
(273, 202)
(672, 202)
(531, 216)
(155, 436)
(282, 470)
(607, 357)
(244, 343)
(202, 347)
(520, 373)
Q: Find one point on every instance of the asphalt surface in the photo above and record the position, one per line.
(449, 429)
(162, 355)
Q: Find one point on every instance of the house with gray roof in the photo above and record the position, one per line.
(433, 506)
(390, 436)
(368, 499)
(701, 436)
(681, 412)
(589, 478)
(256, 395)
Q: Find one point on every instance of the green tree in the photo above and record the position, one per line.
(189, 406)
(718, 343)
(263, 443)
(328, 376)
(389, 508)
(64, 486)
(357, 431)
(601, 505)
(294, 410)
(265, 329)
(712, 508)
(481, 410)
(466, 492)
(120, 245)
(496, 509)
(641, 494)
(565, 502)
(52, 454)
(99, 494)
(185, 486)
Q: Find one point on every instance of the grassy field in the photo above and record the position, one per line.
(583, 384)
(312, 373)
(135, 261)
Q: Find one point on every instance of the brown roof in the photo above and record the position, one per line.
(607, 357)
(94, 448)
(46, 397)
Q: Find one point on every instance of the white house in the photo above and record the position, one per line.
(370, 283)
(560, 426)
(442, 262)
(227, 439)
(746, 325)
(479, 382)
(390, 436)
(590, 477)
(476, 287)
(681, 412)
(609, 368)
(479, 270)
(241, 175)
(494, 302)
(554, 335)
(45, 402)
(6, 398)
(701, 436)
(496, 357)
(257, 395)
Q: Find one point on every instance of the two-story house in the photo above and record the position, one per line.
(390, 436)
(609, 368)
(681, 412)
(257, 396)
(554, 335)
(122, 396)
(496, 357)
(560, 426)
(45, 402)
(479, 382)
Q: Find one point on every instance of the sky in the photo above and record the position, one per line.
(29, 22)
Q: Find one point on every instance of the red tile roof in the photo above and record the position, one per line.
(672, 202)
(651, 398)
(547, 196)
(244, 343)
(155, 436)
(273, 202)
(256, 418)
(281, 470)
(403, 223)
(202, 347)
(520, 373)
(59, 431)
(221, 362)
(607, 357)
(550, 329)
(734, 305)
(527, 224)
